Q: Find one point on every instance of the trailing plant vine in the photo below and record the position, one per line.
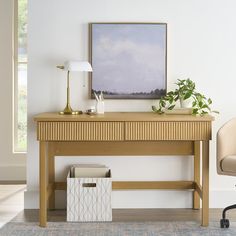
(186, 89)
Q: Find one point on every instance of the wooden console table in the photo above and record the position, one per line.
(138, 133)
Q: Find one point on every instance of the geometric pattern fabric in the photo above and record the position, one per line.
(89, 199)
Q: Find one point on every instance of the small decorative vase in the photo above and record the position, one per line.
(185, 103)
(100, 107)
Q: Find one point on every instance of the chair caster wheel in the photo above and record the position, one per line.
(224, 223)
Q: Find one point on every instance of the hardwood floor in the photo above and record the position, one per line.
(11, 202)
(12, 208)
(134, 215)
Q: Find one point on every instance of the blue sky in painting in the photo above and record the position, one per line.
(128, 57)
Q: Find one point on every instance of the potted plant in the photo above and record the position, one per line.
(185, 91)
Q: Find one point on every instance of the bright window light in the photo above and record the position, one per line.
(20, 76)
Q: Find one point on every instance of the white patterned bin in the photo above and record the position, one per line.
(89, 199)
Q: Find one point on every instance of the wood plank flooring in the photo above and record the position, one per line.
(137, 215)
(11, 202)
(12, 208)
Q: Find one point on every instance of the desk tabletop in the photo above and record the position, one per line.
(121, 116)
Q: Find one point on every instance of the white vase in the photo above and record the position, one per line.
(100, 107)
(185, 103)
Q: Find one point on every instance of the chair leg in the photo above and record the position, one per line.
(224, 223)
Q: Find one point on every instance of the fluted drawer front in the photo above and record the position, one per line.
(167, 130)
(80, 131)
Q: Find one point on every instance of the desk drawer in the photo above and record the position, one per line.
(167, 130)
(80, 131)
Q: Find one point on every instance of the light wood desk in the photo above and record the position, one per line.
(124, 134)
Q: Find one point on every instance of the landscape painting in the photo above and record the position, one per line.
(128, 60)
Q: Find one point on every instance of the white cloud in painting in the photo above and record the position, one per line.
(126, 65)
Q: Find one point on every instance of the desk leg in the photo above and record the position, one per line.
(196, 198)
(42, 185)
(205, 183)
(51, 175)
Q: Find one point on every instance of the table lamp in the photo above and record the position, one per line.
(73, 66)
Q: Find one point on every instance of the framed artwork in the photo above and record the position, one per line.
(129, 60)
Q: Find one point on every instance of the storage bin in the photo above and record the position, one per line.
(89, 199)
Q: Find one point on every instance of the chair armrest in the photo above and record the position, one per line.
(226, 142)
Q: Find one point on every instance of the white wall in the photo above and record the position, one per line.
(201, 45)
(12, 166)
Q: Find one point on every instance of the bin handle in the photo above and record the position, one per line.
(89, 185)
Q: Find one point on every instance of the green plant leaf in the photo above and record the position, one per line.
(197, 95)
(194, 103)
(171, 100)
(195, 111)
(154, 109)
(171, 93)
(217, 112)
(163, 103)
(200, 104)
(205, 106)
(171, 107)
(176, 98)
(204, 112)
(209, 101)
(188, 95)
(185, 90)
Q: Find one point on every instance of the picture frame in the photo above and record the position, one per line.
(129, 60)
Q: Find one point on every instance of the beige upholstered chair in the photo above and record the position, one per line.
(226, 157)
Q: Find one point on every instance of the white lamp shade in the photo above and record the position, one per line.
(77, 66)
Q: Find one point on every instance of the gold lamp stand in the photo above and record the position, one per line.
(73, 66)
(68, 110)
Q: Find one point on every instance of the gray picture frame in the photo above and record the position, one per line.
(129, 60)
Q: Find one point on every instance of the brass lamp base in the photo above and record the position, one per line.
(71, 113)
(68, 111)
